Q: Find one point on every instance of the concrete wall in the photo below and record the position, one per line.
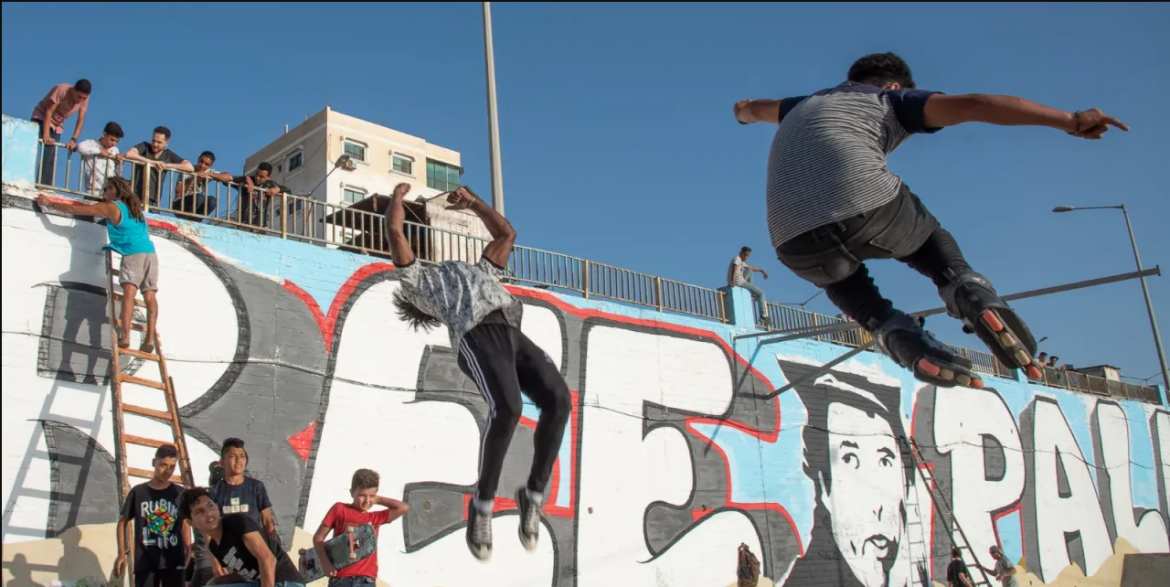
(674, 454)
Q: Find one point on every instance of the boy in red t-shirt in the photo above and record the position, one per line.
(364, 490)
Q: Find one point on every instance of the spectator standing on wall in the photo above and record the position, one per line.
(256, 192)
(739, 274)
(50, 115)
(191, 194)
(100, 159)
(158, 158)
(129, 237)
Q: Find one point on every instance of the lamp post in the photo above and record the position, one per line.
(1145, 288)
(493, 119)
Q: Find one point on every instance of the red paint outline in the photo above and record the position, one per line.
(326, 324)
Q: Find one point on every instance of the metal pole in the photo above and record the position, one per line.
(1149, 305)
(493, 119)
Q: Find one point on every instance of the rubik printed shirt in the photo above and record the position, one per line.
(158, 543)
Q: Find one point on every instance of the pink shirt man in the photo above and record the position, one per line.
(68, 99)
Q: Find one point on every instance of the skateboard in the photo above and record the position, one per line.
(356, 544)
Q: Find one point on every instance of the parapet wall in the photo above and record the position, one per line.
(675, 453)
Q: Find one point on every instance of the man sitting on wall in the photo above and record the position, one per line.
(739, 274)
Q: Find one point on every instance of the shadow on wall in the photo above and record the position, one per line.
(63, 561)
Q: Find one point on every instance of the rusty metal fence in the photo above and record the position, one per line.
(199, 198)
(202, 199)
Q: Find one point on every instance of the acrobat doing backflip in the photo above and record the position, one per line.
(833, 204)
(483, 320)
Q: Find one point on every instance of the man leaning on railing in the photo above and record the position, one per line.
(156, 156)
(191, 193)
(50, 115)
(100, 160)
(256, 193)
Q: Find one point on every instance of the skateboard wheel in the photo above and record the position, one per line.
(1006, 339)
(1022, 357)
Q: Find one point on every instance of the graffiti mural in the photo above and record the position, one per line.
(676, 452)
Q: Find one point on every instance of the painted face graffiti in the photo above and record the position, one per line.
(865, 502)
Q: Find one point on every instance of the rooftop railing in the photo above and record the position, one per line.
(199, 198)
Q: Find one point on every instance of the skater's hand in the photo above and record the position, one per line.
(460, 199)
(764, 273)
(328, 569)
(1092, 124)
(119, 565)
(742, 113)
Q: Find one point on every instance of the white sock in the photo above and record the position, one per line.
(484, 506)
(536, 498)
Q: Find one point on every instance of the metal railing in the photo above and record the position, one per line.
(340, 226)
(786, 317)
(289, 216)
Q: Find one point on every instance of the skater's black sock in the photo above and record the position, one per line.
(858, 298)
(936, 256)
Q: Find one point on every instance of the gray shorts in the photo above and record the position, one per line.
(141, 271)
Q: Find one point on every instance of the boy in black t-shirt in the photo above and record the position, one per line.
(238, 544)
(957, 573)
(162, 543)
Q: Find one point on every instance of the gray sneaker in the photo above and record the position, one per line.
(479, 533)
(529, 520)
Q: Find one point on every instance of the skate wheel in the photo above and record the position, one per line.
(992, 321)
(1034, 372)
(976, 383)
(963, 380)
(1006, 339)
(1022, 357)
(929, 368)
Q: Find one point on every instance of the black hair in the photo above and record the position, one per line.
(232, 443)
(166, 451)
(83, 86)
(164, 131)
(188, 499)
(114, 130)
(955, 552)
(880, 69)
(745, 250)
(412, 315)
(265, 166)
(208, 154)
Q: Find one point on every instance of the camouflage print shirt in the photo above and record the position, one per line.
(459, 294)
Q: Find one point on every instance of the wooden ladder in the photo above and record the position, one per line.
(141, 468)
(943, 507)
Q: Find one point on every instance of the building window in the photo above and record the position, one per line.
(294, 162)
(353, 196)
(402, 163)
(355, 150)
(441, 176)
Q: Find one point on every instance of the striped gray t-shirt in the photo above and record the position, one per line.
(828, 159)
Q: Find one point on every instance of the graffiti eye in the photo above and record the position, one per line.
(851, 459)
(887, 462)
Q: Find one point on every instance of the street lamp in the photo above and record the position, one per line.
(493, 119)
(1145, 288)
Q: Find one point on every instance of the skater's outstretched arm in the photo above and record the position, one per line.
(503, 235)
(942, 110)
(752, 111)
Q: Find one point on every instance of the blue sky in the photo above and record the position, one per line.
(617, 136)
